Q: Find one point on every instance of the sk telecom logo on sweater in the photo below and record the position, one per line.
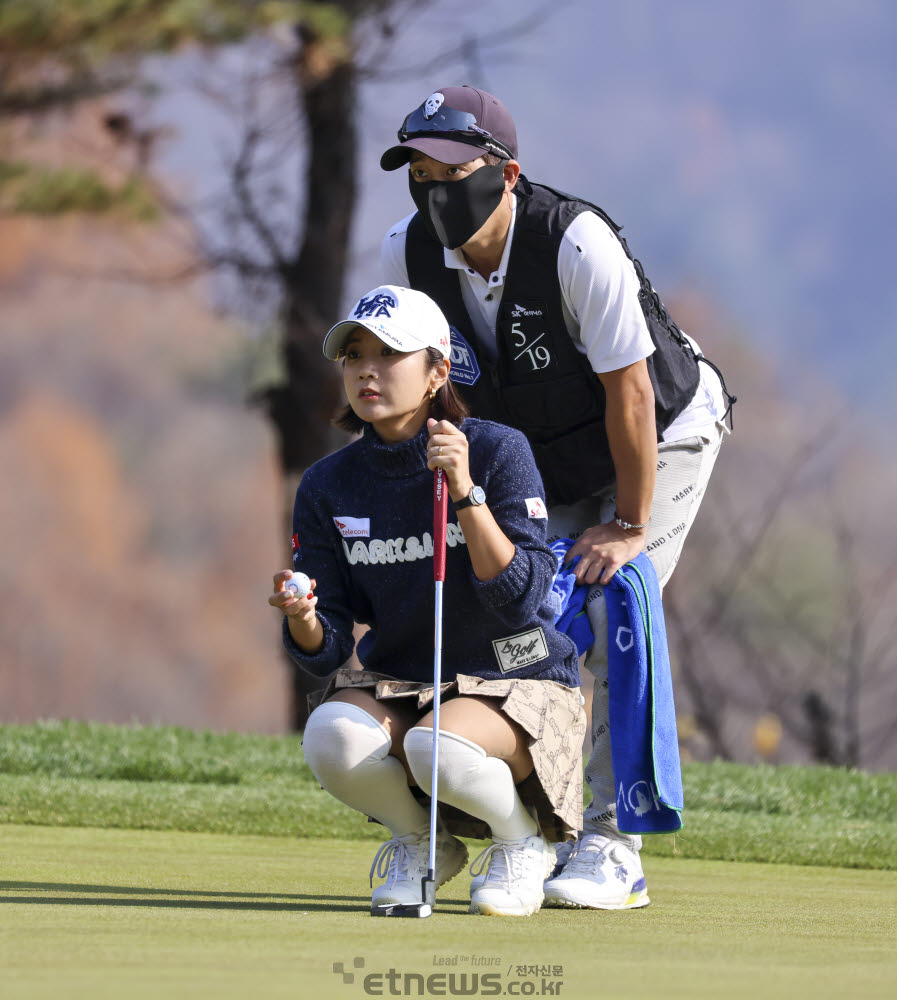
(535, 508)
(353, 527)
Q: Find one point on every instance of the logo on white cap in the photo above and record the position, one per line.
(377, 305)
(403, 318)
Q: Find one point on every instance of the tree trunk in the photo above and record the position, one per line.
(327, 88)
(821, 722)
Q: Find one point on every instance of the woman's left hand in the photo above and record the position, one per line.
(447, 449)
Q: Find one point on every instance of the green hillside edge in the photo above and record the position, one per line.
(168, 778)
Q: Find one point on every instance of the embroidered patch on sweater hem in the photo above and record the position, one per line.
(520, 650)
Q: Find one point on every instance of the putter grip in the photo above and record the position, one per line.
(440, 514)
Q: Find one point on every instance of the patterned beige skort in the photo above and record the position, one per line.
(552, 717)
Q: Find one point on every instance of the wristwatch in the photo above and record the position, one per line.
(475, 498)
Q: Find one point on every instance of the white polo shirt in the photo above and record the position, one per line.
(599, 296)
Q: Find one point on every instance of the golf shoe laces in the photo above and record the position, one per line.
(391, 862)
(505, 860)
(589, 856)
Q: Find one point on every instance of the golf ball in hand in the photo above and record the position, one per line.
(299, 583)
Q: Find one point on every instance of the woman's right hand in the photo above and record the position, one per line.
(299, 609)
(447, 449)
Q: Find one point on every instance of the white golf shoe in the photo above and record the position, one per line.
(512, 886)
(404, 861)
(601, 874)
(551, 863)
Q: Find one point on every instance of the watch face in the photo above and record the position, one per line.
(478, 495)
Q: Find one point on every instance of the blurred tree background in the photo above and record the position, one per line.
(162, 386)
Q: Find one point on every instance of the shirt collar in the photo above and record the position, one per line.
(454, 259)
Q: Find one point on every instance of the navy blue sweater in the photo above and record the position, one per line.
(363, 524)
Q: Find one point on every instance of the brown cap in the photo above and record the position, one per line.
(488, 114)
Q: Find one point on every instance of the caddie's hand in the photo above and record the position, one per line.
(447, 449)
(299, 608)
(604, 549)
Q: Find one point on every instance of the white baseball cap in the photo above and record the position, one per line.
(404, 319)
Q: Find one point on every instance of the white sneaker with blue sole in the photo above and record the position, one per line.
(601, 874)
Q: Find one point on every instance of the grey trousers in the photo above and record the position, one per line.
(683, 470)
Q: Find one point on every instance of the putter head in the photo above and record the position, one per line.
(421, 909)
(402, 910)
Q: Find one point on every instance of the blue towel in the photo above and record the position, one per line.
(644, 742)
(569, 598)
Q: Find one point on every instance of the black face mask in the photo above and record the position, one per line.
(453, 211)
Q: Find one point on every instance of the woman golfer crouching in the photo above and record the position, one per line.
(511, 725)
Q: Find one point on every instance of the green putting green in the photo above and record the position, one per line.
(132, 913)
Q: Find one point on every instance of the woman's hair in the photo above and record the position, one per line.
(447, 404)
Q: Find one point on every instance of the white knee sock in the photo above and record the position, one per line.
(470, 780)
(347, 750)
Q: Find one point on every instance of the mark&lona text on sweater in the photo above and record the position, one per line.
(394, 550)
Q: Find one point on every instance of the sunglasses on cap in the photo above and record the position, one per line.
(447, 123)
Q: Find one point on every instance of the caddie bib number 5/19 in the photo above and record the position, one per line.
(527, 342)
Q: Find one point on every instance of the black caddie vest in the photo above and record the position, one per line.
(539, 382)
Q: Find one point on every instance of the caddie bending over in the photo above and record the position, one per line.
(556, 331)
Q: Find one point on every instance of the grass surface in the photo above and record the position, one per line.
(165, 778)
(111, 913)
(150, 911)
